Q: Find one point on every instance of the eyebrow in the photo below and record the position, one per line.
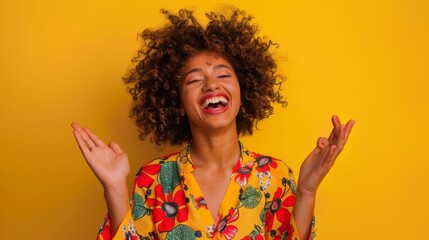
(200, 69)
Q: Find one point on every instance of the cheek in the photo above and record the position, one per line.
(236, 89)
(236, 95)
(186, 100)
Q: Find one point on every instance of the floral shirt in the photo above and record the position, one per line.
(167, 202)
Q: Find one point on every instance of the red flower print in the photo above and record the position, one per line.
(200, 202)
(264, 162)
(104, 232)
(243, 173)
(130, 232)
(167, 208)
(258, 237)
(289, 232)
(223, 225)
(144, 176)
(278, 209)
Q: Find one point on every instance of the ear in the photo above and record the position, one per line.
(182, 112)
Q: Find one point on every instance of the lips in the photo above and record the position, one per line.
(214, 103)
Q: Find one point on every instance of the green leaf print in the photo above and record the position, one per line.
(251, 197)
(262, 215)
(292, 182)
(139, 210)
(293, 186)
(181, 232)
(168, 176)
(256, 232)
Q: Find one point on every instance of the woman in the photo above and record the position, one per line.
(205, 87)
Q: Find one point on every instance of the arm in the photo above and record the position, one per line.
(110, 164)
(313, 170)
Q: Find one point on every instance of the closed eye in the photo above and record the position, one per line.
(193, 81)
(224, 76)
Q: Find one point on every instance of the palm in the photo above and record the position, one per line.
(108, 162)
(322, 158)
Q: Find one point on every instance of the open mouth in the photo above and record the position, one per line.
(216, 102)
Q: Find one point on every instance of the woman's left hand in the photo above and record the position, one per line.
(322, 158)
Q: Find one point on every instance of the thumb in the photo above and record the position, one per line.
(115, 148)
(321, 144)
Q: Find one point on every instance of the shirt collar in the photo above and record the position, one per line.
(185, 161)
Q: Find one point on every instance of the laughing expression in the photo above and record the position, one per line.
(209, 92)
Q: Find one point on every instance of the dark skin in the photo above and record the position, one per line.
(212, 130)
(215, 149)
(213, 181)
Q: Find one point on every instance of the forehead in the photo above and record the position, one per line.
(205, 59)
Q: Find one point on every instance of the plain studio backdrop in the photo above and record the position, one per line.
(62, 61)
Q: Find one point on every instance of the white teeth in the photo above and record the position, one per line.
(214, 100)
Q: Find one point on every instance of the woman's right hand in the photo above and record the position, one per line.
(110, 165)
(108, 162)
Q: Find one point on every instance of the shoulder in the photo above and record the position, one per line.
(264, 162)
(157, 162)
(149, 172)
(273, 173)
(267, 164)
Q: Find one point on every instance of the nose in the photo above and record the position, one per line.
(211, 84)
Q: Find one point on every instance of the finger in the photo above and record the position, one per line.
(76, 127)
(341, 139)
(315, 151)
(344, 134)
(322, 142)
(83, 146)
(321, 149)
(348, 128)
(115, 148)
(83, 136)
(337, 126)
(330, 157)
(336, 122)
(98, 142)
(332, 135)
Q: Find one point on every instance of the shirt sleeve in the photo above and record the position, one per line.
(137, 223)
(284, 221)
(313, 229)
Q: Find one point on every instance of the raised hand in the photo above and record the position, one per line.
(322, 158)
(313, 170)
(108, 162)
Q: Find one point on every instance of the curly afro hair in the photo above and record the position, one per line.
(154, 82)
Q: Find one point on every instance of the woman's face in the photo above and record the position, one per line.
(209, 92)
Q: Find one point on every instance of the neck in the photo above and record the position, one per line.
(217, 150)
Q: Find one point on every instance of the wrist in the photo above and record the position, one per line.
(118, 203)
(118, 188)
(303, 211)
(305, 194)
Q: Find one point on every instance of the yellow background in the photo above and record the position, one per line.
(62, 61)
